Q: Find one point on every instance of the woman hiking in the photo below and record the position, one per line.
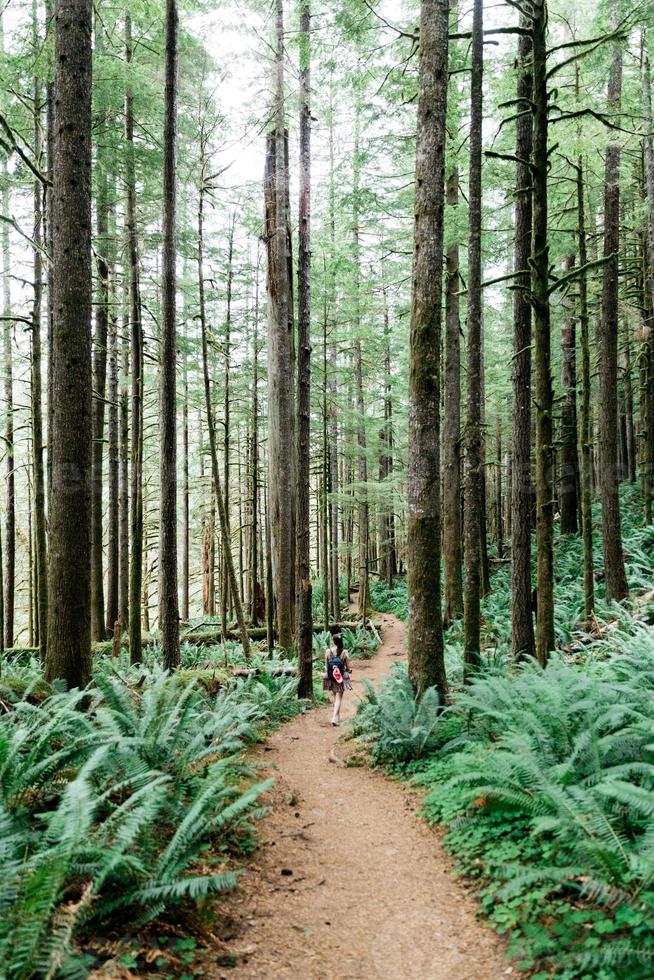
(337, 675)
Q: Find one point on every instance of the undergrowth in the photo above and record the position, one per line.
(543, 780)
(119, 803)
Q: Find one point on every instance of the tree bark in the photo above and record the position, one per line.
(36, 388)
(569, 472)
(522, 626)
(224, 585)
(452, 531)
(607, 340)
(168, 592)
(281, 449)
(9, 568)
(69, 611)
(585, 424)
(333, 384)
(230, 574)
(542, 345)
(136, 365)
(303, 613)
(322, 501)
(186, 543)
(113, 453)
(425, 628)
(499, 511)
(255, 590)
(473, 507)
(362, 494)
(387, 564)
(123, 473)
(99, 367)
(647, 446)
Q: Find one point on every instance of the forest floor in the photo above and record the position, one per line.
(348, 882)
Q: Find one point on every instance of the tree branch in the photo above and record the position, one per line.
(580, 270)
(15, 148)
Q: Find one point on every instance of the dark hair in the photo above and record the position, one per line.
(338, 642)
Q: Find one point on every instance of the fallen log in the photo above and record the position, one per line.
(259, 671)
(204, 638)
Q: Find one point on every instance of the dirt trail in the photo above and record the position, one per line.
(348, 882)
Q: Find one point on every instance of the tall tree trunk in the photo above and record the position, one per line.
(168, 593)
(9, 556)
(303, 613)
(136, 365)
(10, 479)
(387, 566)
(473, 455)
(224, 589)
(113, 539)
(113, 487)
(50, 138)
(452, 536)
(323, 500)
(569, 472)
(647, 397)
(607, 340)
(280, 361)
(499, 512)
(522, 626)
(255, 590)
(333, 389)
(585, 423)
(31, 619)
(230, 573)
(362, 509)
(542, 346)
(123, 471)
(425, 631)
(629, 407)
(99, 368)
(69, 611)
(36, 387)
(186, 543)
(270, 597)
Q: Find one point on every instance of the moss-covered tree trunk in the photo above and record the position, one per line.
(647, 387)
(542, 345)
(585, 420)
(281, 448)
(607, 342)
(136, 370)
(425, 628)
(69, 610)
(100, 337)
(473, 490)
(569, 468)
(452, 513)
(168, 592)
(303, 610)
(38, 448)
(522, 625)
(9, 566)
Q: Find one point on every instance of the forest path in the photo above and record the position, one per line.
(348, 882)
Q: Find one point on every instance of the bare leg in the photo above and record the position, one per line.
(336, 716)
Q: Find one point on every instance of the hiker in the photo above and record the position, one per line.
(337, 675)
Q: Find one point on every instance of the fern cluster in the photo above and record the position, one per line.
(544, 779)
(393, 600)
(107, 797)
(397, 727)
(551, 787)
